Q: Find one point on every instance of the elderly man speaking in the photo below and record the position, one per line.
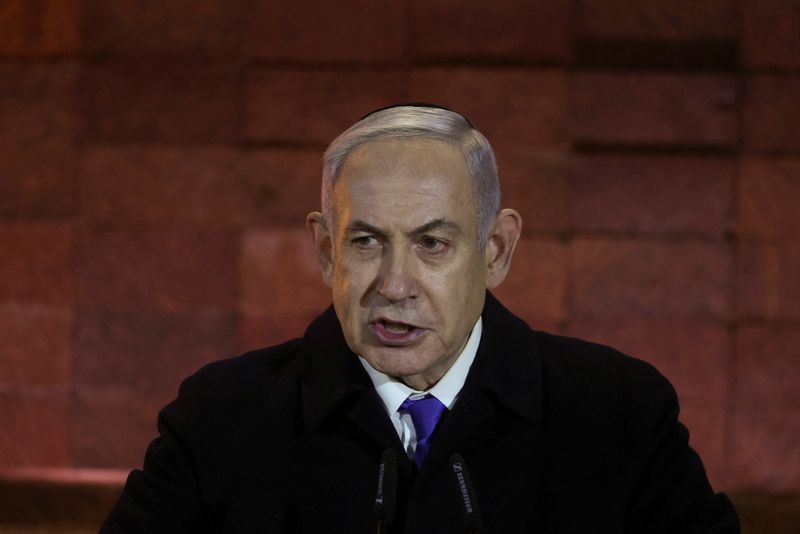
(417, 403)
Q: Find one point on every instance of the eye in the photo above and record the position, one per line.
(365, 242)
(431, 245)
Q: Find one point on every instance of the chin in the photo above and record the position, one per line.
(396, 362)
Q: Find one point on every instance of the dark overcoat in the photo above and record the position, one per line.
(556, 434)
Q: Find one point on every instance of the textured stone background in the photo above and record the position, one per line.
(157, 160)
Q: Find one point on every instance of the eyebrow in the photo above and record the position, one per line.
(362, 226)
(436, 224)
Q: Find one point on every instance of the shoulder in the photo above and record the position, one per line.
(261, 382)
(271, 364)
(597, 376)
(578, 357)
(576, 377)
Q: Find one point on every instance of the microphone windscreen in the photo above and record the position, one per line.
(468, 504)
(386, 493)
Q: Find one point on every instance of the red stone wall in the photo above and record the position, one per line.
(157, 160)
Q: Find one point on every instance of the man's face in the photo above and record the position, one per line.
(408, 279)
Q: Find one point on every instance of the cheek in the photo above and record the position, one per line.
(459, 293)
(451, 291)
(350, 281)
(459, 278)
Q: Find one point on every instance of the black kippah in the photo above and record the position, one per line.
(416, 105)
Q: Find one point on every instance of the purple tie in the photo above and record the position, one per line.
(425, 413)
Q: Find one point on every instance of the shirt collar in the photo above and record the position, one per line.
(393, 392)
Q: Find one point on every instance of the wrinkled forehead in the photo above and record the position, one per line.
(402, 184)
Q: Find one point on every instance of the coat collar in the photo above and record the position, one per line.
(507, 368)
(508, 365)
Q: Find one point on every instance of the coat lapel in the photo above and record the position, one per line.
(325, 378)
(508, 367)
(470, 412)
(335, 382)
(506, 373)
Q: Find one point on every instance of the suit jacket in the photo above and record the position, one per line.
(557, 435)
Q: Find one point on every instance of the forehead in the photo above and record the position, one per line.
(411, 179)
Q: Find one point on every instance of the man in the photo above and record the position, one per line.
(417, 403)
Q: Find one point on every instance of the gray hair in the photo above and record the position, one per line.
(414, 121)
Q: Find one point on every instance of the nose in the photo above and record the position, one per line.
(398, 279)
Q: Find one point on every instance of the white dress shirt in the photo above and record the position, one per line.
(393, 392)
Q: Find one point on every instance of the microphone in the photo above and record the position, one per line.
(386, 494)
(466, 495)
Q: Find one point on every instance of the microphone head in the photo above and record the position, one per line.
(468, 504)
(386, 492)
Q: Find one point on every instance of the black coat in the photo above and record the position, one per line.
(557, 435)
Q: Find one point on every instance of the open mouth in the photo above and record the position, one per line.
(395, 333)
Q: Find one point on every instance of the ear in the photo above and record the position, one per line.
(323, 244)
(500, 246)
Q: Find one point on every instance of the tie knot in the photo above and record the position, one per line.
(422, 406)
